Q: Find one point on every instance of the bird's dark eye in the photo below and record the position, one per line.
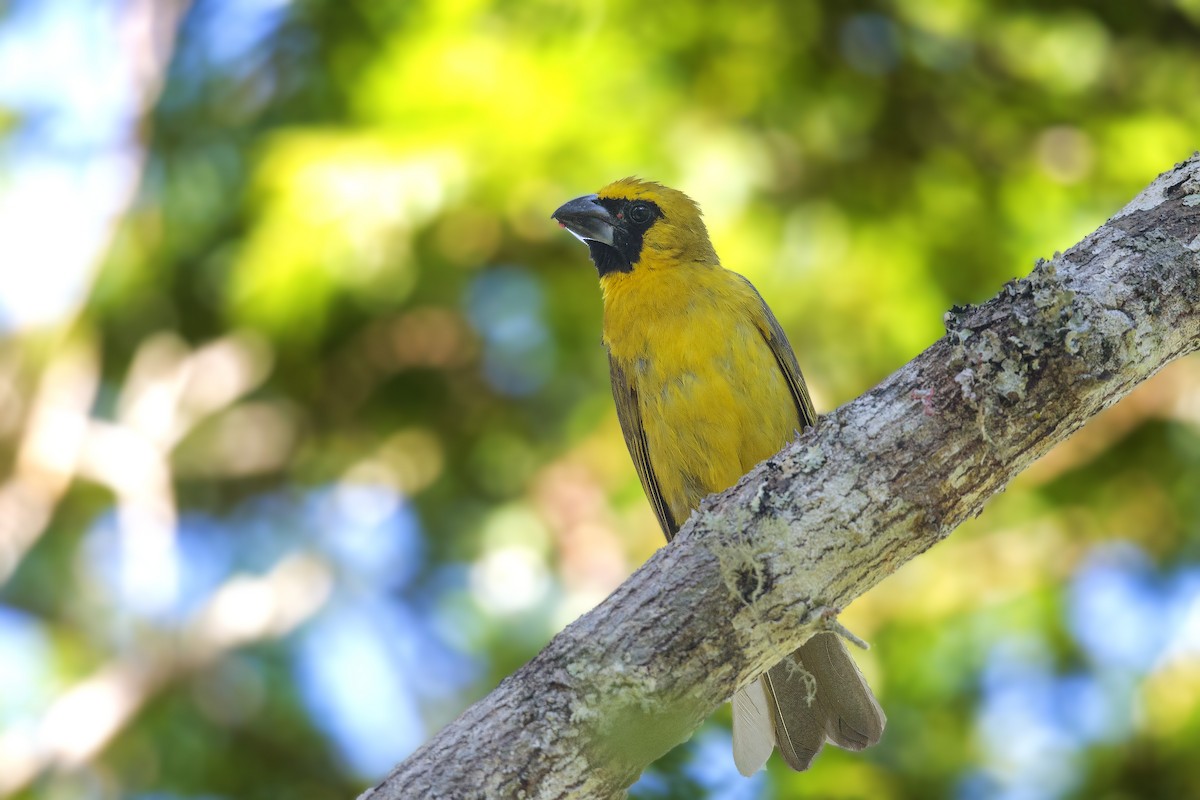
(639, 213)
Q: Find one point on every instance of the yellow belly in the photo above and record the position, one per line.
(712, 398)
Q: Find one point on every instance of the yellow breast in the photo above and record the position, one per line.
(712, 398)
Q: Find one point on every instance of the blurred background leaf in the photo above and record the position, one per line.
(305, 426)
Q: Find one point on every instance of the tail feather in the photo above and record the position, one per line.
(796, 707)
(753, 729)
(854, 718)
(814, 694)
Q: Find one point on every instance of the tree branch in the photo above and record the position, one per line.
(881, 479)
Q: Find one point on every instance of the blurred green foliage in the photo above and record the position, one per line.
(352, 217)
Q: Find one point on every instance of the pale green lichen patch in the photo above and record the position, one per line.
(742, 561)
(626, 728)
(1075, 336)
(796, 670)
(966, 381)
(810, 459)
(626, 716)
(757, 501)
(1010, 379)
(747, 567)
(994, 367)
(998, 368)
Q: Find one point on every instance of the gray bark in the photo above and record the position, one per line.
(761, 566)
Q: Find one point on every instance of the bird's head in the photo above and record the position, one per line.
(633, 224)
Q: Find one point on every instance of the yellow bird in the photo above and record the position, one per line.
(707, 386)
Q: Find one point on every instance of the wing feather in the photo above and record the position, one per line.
(630, 415)
(777, 340)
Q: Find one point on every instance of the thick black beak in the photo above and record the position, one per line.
(586, 219)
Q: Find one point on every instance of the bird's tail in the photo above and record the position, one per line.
(814, 694)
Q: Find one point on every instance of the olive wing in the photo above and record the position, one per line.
(777, 340)
(630, 415)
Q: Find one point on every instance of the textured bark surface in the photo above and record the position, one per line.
(881, 479)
